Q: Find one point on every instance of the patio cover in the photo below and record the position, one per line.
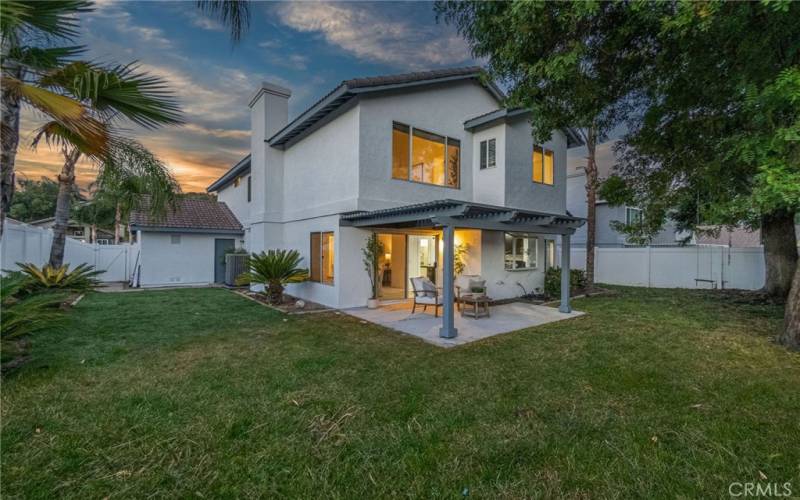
(451, 214)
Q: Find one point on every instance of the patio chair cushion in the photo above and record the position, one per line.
(477, 284)
(429, 300)
(423, 287)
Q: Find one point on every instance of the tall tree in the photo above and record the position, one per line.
(36, 199)
(112, 94)
(30, 36)
(131, 178)
(569, 63)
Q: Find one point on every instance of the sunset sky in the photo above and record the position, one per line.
(307, 47)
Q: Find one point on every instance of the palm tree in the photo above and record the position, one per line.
(110, 94)
(274, 269)
(24, 27)
(235, 14)
(130, 176)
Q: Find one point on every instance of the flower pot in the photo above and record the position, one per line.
(372, 303)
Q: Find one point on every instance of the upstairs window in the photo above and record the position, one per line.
(633, 216)
(421, 156)
(520, 251)
(488, 154)
(542, 165)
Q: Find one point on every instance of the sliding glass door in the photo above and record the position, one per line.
(422, 259)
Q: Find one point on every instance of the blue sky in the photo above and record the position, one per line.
(305, 46)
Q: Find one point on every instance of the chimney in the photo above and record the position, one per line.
(269, 112)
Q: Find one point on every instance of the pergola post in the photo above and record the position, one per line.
(564, 306)
(448, 329)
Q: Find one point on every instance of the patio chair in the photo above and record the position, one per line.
(426, 294)
(464, 284)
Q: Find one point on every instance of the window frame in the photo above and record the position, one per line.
(175, 239)
(410, 154)
(484, 147)
(249, 189)
(321, 238)
(514, 238)
(628, 210)
(543, 150)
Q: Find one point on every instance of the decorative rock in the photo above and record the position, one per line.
(300, 304)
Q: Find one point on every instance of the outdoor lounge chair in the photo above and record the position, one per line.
(426, 294)
(463, 287)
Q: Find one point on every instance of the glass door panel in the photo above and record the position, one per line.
(421, 257)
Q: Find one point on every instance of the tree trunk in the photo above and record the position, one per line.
(791, 328)
(117, 224)
(591, 204)
(66, 184)
(780, 252)
(275, 292)
(8, 145)
(93, 234)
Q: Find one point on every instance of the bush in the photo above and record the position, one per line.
(81, 279)
(552, 281)
(274, 269)
(26, 313)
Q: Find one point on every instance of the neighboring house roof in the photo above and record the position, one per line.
(188, 215)
(349, 89)
(242, 167)
(502, 114)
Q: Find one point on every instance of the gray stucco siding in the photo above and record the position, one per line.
(441, 109)
(521, 191)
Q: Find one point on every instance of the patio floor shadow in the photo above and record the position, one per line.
(504, 319)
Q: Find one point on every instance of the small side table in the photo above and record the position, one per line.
(475, 306)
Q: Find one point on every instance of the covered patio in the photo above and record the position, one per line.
(449, 215)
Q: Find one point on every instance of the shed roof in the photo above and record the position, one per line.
(188, 215)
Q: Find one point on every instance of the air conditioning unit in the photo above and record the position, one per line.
(235, 264)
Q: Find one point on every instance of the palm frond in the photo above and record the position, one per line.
(93, 142)
(119, 90)
(51, 18)
(43, 58)
(234, 14)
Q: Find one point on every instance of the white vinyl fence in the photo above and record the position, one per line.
(24, 243)
(676, 267)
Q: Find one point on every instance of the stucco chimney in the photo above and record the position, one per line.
(269, 112)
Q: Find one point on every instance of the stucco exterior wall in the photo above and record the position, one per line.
(489, 185)
(441, 109)
(321, 171)
(521, 191)
(236, 199)
(500, 283)
(191, 262)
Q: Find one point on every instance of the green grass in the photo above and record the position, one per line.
(201, 392)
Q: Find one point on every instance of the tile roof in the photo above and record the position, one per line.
(188, 213)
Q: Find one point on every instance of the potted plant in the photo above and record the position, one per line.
(372, 252)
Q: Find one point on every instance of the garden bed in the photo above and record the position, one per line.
(289, 304)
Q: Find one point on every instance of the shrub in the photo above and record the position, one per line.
(26, 313)
(274, 269)
(552, 280)
(81, 279)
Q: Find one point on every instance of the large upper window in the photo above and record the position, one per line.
(542, 165)
(421, 156)
(322, 257)
(520, 251)
(633, 216)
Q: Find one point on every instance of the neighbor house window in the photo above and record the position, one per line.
(633, 216)
(249, 189)
(520, 251)
(175, 239)
(488, 154)
(322, 257)
(421, 156)
(549, 253)
(542, 165)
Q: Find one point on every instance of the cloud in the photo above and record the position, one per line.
(369, 34)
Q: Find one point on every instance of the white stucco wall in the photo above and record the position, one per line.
(500, 283)
(236, 199)
(489, 184)
(191, 262)
(441, 109)
(321, 171)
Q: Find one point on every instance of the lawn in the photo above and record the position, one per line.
(203, 393)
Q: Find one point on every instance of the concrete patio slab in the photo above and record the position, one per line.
(505, 318)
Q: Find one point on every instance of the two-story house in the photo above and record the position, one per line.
(430, 161)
